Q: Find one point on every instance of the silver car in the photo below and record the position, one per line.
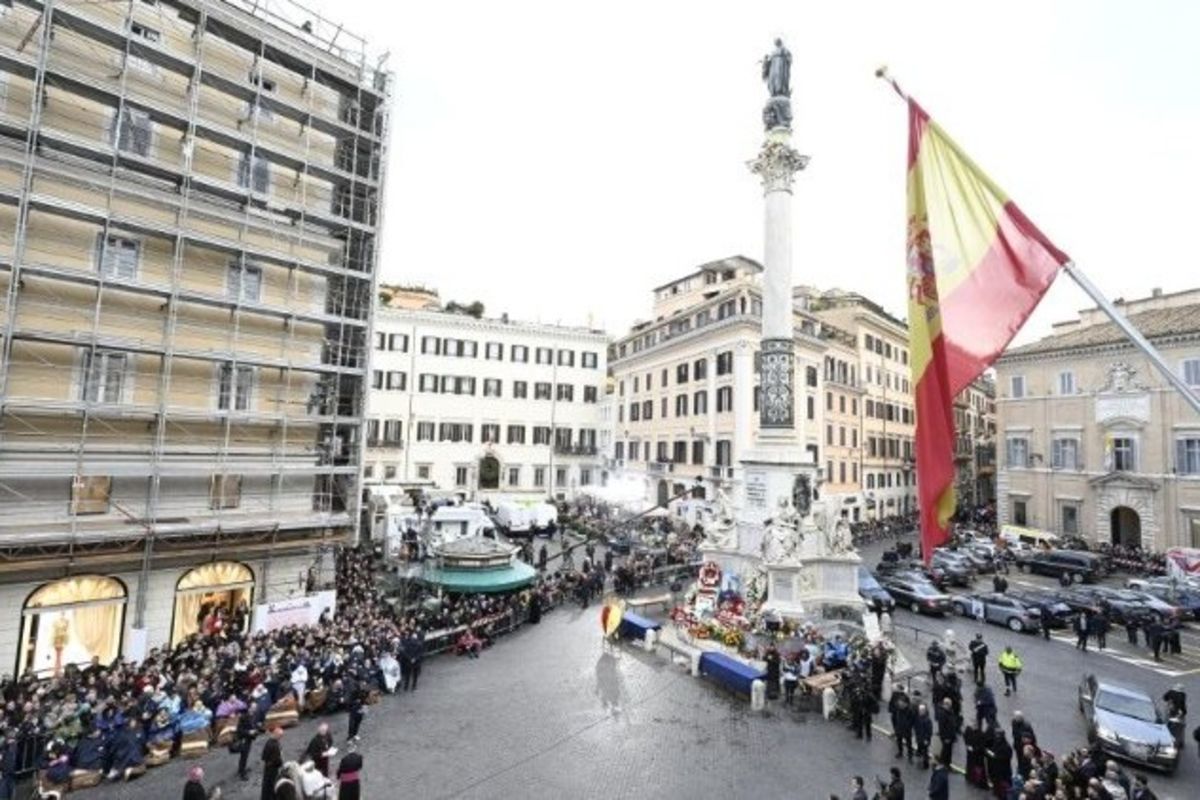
(1001, 609)
(1127, 724)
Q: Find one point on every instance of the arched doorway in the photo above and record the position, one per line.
(204, 592)
(70, 621)
(1126, 527)
(664, 493)
(489, 472)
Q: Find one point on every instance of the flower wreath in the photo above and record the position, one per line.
(710, 575)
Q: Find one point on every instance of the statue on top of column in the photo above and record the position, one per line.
(777, 73)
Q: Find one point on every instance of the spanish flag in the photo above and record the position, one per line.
(977, 267)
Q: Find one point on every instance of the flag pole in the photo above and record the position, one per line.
(1133, 334)
(1102, 302)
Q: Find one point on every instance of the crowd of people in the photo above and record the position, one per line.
(113, 720)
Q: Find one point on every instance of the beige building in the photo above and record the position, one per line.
(975, 443)
(842, 425)
(888, 416)
(1092, 440)
(189, 210)
(687, 385)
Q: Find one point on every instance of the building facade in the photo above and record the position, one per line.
(887, 464)
(686, 383)
(189, 208)
(842, 408)
(1093, 441)
(975, 444)
(484, 406)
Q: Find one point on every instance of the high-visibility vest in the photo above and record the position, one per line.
(1010, 661)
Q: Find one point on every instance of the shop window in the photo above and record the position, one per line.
(211, 598)
(71, 621)
(90, 494)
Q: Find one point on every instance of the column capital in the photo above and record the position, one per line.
(777, 164)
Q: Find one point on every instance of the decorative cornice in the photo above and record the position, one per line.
(385, 315)
(1074, 352)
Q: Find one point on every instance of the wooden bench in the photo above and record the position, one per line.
(195, 744)
(284, 713)
(227, 729)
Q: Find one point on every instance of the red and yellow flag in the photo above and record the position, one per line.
(977, 267)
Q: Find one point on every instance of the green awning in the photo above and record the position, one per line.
(514, 576)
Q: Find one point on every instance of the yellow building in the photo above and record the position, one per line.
(189, 208)
(888, 411)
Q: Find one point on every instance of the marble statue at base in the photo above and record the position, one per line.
(720, 526)
(781, 542)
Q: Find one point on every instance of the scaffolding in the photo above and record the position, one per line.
(190, 200)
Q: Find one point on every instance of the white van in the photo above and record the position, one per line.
(515, 517)
(450, 523)
(1014, 534)
(545, 517)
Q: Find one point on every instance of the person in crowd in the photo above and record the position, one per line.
(976, 761)
(356, 708)
(939, 781)
(193, 789)
(772, 661)
(857, 788)
(936, 657)
(923, 733)
(979, 653)
(894, 788)
(1141, 789)
(242, 741)
(272, 760)
(948, 725)
(999, 764)
(1010, 667)
(902, 714)
(1100, 626)
(985, 706)
(349, 782)
(1083, 630)
(320, 748)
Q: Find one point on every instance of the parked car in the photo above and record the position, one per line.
(1071, 565)
(1127, 724)
(982, 555)
(957, 569)
(877, 598)
(1122, 605)
(1001, 609)
(1163, 580)
(1054, 612)
(918, 596)
(1186, 600)
(910, 566)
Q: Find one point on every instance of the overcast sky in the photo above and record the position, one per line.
(556, 160)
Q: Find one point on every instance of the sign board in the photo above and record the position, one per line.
(756, 489)
(304, 610)
(1123, 406)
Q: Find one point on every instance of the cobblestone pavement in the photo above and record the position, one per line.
(548, 713)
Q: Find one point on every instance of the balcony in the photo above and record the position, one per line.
(396, 444)
(964, 450)
(660, 467)
(575, 450)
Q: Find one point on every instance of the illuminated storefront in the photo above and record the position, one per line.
(203, 591)
(69, 621)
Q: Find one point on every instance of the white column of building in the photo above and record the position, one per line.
(743, 400)
(710, 389)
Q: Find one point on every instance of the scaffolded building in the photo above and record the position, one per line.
(190, 197)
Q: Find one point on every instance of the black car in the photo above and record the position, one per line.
(957, 569)
(1071, 566)
(1095, 599)
(918, 596)
(910, 566)
(1055, 612)
(875, 596)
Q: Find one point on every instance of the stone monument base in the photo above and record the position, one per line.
(823, 586)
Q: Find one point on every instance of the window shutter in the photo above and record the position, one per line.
(1181, 465)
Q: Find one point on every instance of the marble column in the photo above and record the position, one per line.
(777, 164)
